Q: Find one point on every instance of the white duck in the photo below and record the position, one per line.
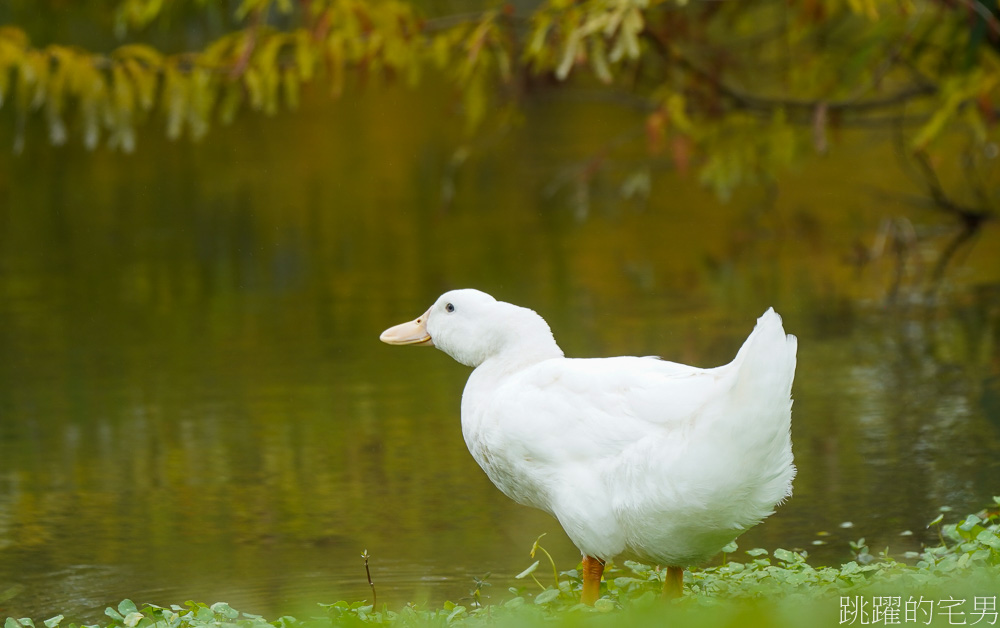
(633, 455)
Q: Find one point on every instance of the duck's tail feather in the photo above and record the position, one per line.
(760, 413)
(766, 361)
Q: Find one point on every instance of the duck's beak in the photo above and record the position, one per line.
(412, 333)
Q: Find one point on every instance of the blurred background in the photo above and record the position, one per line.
(194, 403)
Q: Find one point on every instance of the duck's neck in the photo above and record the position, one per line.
(522, 354)
(524, 338)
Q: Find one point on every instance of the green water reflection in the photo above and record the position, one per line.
(194, 402)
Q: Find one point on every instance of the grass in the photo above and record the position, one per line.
(955, 582)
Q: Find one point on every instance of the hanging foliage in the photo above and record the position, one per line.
(737, 90)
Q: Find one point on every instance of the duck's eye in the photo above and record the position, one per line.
(449, 308)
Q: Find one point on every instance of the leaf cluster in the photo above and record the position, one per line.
(738, 90)
(259, 67)
(777, 583)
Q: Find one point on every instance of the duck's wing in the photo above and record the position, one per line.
(669, 396)
(649, 390)
(564, 410)
(568, 411)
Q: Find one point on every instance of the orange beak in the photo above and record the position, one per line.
(411, 333)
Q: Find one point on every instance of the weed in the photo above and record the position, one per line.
(765, 588)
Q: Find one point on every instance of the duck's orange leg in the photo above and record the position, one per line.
(593, 569)
(673, 584)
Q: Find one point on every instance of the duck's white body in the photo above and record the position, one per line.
(632, 455)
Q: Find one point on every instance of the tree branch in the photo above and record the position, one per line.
(805, 106)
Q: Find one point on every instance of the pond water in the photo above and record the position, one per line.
(194, 403)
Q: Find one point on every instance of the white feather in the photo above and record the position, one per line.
(657, 459)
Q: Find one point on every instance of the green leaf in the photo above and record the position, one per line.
(599, 61)
(225, 610)
(989, 538)
(569, 55)
(604, 605)
(757, 551)
(970, 525)
(785, 555)
(204, 615)
(127, 606)
(528, 571)
(546, 596)
(132, 619)
(52, 622)
(638, 568)
(456, 612)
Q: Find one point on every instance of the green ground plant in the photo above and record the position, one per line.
(954, 582)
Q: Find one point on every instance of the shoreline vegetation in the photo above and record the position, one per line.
(955, 582)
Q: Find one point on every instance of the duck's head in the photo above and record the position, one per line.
(471, 326)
